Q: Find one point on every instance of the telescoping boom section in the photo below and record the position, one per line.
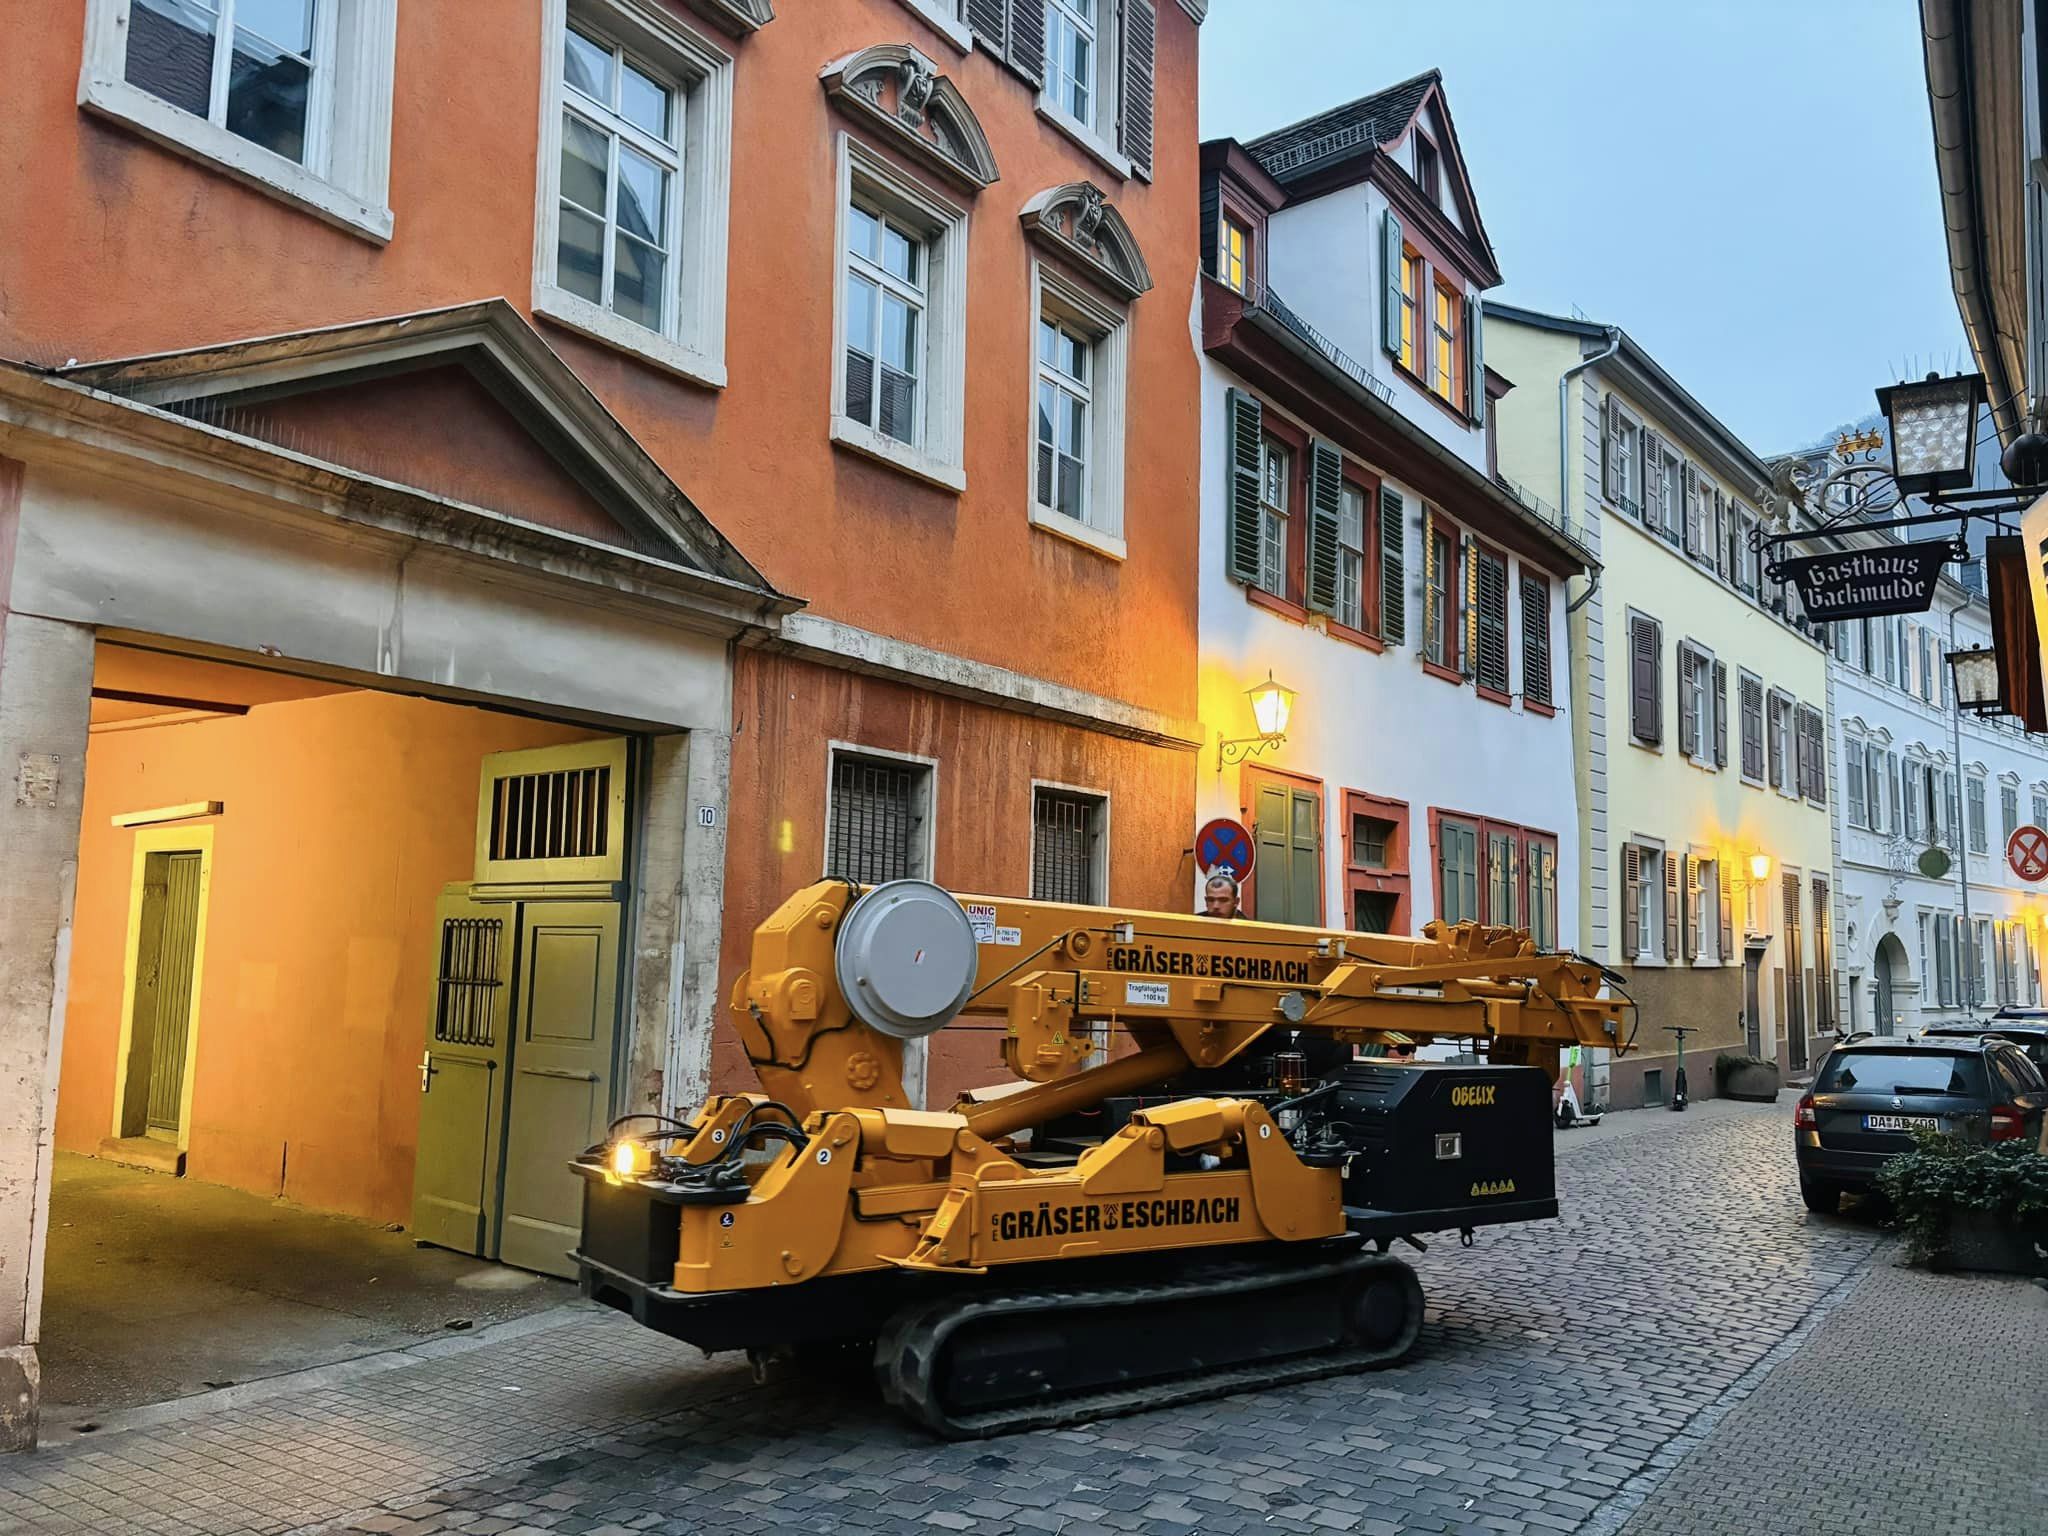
(1200, 1126)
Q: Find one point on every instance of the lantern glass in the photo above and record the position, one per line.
(1759, 867)
(1932, 425)
(1976, 675)
(1272, 707)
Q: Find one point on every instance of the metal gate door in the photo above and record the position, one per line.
(1752, 1001)
(456, 1173)
(566, 1024)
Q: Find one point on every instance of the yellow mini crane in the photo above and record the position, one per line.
(1208, 1211)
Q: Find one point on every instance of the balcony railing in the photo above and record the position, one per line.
(1269, 302)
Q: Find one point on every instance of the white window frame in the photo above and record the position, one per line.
(1351, 559)
(1097, 136)
(1069, 390)
(1100, 857)
(346, 176)
(1274, 515)
(928, 809)
(1650, 903)
(1977, 813)
(1708, 952)
(947, 18)
(1629, 441)
(1855, 777)
(938, 455)
(910, 292)
(1108, 327)
(1699, 676)
(691, 344)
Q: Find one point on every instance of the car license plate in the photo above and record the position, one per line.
(1901, 1123)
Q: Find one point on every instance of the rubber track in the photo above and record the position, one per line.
(909, 1350)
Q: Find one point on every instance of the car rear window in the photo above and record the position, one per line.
(1901, 1072)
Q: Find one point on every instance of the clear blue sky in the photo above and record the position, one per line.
(1746, 186)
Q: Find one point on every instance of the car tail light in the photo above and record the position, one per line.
(2007, 1124)
(1803, 1118)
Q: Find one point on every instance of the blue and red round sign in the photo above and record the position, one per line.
(1224, 845)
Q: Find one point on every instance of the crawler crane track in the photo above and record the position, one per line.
(970, 1366)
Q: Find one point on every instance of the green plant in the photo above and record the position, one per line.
(1941, 1178)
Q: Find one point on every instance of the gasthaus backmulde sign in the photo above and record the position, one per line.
(1868, 583)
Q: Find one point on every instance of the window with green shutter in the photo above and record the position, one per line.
(1393, 567)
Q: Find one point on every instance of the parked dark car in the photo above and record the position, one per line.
(1871, 1095)
(2026, 1028)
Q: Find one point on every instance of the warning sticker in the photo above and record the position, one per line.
(1148, 994)
(1013, 937)
(982, 916)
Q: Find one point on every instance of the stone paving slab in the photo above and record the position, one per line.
(1560, 1361)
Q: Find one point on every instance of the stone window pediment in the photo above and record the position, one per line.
(1077, 221)
(897, 89)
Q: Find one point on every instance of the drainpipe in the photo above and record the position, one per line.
(1962, 835)
(1564, 450)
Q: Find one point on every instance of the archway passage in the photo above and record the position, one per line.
(1888, 973)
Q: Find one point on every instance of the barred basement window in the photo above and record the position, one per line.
(876, 819)
(1068, 846)
(464, 1004)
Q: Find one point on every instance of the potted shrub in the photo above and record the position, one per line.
(1969, 1207)
(1749, 1078)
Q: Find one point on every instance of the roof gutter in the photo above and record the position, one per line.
(1564, 450)
(1945, 39)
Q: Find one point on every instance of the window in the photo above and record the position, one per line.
(1445, 377)
(1703, 896)
(1069, 846)
(1083, 350)
(1542, 922)
(1070, 55)
(1535, 640)
(2040, 796)
(1275, 479)
(1287, 824)
(1696, 709)
(1915, 801)
(1874, 782)
(1063, 431)
(898, 386)
(1646, 680)
(1979, 841)
(1233, 256)
(1642, 900)
(1376, 863)
(1441, 590)
(290, 96)
(1944, 960)
(1669, 470)
(877, 818)
(635, 158)
(1621, 464)
(885, 307)
(2008, 812)
(1490, 621)
(1410, 297)
(1779, 724)
(1810, 751)
(1752, 688)
(1351, 535)
(1428, 169)
(1853, 779)
(1823, 956)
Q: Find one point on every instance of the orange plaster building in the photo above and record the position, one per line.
(790, 405)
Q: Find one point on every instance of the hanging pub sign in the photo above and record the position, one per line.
(1868, 583)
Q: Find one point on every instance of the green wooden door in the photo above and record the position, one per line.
(456, 1175)
(165, 958)
(1288, 826)
(565, 1028)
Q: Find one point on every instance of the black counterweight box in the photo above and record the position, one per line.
(1435, 1147)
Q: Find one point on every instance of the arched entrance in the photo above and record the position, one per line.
(1888, 970)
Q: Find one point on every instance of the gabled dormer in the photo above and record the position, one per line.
(1379, 244)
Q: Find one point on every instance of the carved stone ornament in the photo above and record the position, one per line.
(1078, 222)
(898, 92)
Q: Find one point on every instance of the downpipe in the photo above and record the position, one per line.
(1564, 449)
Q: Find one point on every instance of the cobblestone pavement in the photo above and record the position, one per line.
(1567, 1368)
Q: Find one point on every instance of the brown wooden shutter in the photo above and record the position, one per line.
(1390, 306)
(1610, 471)
(1653, 479)
(1688, 705)
(1490, 662)
(1393, 567)
(989, 20)
(1671, 910)
(1535, 639)
(1719, 681)
(1134, 118)
(1475, 363)
(1646, 712)
(1026, 53)
(1246, 429)
(1468, 643)
(1695, 916)
(1689, 482)
(1727, 915)
(1631, 898)
(1752, 728)
(1325, 509)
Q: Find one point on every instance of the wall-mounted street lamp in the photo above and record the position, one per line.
(1976, 675)
(1272, 708)
(1933, 431)
(1759, 867)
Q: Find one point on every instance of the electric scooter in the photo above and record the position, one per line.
(1679, 1098)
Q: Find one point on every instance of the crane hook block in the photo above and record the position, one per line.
(906, 956)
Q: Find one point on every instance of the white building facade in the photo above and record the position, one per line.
(1358, 548)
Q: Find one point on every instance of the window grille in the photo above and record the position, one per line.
(876, 821)
(465, 1003)
(564, 814)
(1065, 829)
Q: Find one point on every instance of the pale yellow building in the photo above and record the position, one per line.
(1699, 701)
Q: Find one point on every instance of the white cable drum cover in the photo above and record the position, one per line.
(906, 958)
